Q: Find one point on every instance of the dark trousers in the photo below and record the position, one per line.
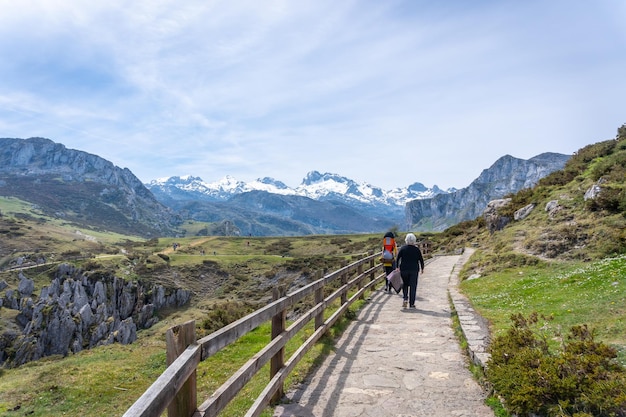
(388, 270)
(409, 289)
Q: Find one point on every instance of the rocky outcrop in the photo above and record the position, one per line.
(507, 175)
(77, 311)
(522, 213)
(594, 191)
(552, 208)
(493, 220)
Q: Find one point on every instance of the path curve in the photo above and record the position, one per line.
(396, 362)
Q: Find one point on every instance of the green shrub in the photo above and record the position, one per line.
(223, 314)
(281, 247)
(610, 199)
(557, 178)
(582, 378)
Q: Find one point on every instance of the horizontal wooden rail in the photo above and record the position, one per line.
(352, 279)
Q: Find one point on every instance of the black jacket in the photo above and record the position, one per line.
(410, 258)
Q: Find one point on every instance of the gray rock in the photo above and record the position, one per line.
(59, 333)
(66, 296)
(99, 293)
(594, 191)
(27, 348)
(182, 297)
(126, 302)
(77, 344)
(79, 297)
(86, 318)
(158, 299)
(522, 213)
(66, 270)
(26, 286)
(127, 332)
(553, 207)
(145, 316)
(98, 334)
(10, 301)
(493, 220)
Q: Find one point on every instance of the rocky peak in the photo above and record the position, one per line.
(93, 188)
(507, 175)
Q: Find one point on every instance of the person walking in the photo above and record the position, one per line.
(390, 250)
(409, 261)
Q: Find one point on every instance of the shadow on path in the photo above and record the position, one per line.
(393, 361)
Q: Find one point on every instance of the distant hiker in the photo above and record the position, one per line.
(409, 261)
(390, 250)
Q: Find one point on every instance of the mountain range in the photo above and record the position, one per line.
(323, 203)
(315, 185)
(416, 207)
(88, 190)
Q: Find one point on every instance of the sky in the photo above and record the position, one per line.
(383, 92)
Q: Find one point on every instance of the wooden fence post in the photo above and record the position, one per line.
(177, 339)
(344, 281)
(359, 271)
(319, 297)
(279, 323)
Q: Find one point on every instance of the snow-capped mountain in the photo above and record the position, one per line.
(322, 203)
(317, 186)
(341, 199)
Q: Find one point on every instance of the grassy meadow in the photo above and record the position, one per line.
(566, 293)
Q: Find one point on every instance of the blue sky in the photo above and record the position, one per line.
(384, 92)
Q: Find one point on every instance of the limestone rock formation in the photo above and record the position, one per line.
(77, 311)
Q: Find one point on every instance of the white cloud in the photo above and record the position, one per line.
(279, 88)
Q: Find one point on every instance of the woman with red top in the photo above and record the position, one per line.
(389, 246)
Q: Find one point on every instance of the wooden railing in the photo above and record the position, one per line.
(175, 389)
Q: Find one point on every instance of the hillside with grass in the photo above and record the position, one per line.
(566, 257)
(551, 281)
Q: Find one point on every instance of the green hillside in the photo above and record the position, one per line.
(568, 262)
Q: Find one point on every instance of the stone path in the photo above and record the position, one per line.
(399, 362)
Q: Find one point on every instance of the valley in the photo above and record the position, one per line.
(563, 259)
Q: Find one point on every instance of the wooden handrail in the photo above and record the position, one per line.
(167, 387)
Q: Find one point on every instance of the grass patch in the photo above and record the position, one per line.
(572, 294)
(100, 381)
(108, 380)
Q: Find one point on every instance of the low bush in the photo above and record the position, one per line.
(611, 199)
(581, 378)
(223, 314)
